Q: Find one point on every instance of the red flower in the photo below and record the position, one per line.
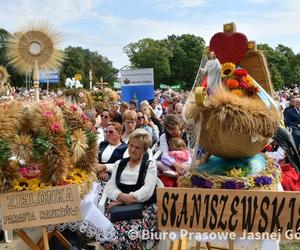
(243, 85)
(73, 108)
(240, 72)
(60, 103)
(85, 117)
(55, 127)
(48, 114)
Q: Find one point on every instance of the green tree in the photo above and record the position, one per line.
(150, 53)
(187, 51)
(16, 79)
(81, 61)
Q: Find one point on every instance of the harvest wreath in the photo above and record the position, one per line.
(44, 144)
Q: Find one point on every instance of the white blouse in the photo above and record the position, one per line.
(107, 153)
(129, 176)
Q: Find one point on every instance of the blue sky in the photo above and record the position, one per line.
(109, 25)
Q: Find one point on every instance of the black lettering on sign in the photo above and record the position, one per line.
(214, 216)
(276, 214)
(165, 215)
(292, 207)
(298, 221)
(173, 208)
(249, 211)
(221, 224)
(196, 209)
(234, 204)
(205, 218)
(183, 212)
(265, 203)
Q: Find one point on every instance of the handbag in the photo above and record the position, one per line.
(126, 212)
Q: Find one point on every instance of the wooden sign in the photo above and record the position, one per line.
(52, 205)
(244, 213)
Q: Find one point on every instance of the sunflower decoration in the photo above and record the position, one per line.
(238, 81)
(252, 91)
(78, 176)
(21, 184)
(35, 42)
(227, 70)
(21, 146)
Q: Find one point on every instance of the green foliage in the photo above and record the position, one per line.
(150, 53)
(91, 137)
(81, 61)
(283, 64)
(68, 139)
(5, 152)
(175, 60)
(41, 145)
(187, 51)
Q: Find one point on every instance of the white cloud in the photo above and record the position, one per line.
(16, 12)
(178, 4)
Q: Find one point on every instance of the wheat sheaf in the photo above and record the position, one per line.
(35, 42)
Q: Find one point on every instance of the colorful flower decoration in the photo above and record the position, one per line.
(232, 83)
(252, 91)
(198, 181)
(20, 184)
(227, 70)
(55, 127)
(248, 80)
(240, 72)
(77, 176)
(238, 81)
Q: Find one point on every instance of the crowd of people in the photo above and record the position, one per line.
(143, 144)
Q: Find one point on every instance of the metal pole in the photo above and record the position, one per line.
(36, 79)
(91, 79)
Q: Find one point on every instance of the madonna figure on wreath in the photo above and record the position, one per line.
(133, 181)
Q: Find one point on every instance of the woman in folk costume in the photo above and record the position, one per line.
(213, 70)
(133, 181)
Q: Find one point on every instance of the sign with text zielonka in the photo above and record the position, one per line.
(52, 205)
(242, 212)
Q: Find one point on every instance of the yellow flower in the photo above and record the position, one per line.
(34, 184)
(237, 92)
(78, 176)
(217, 185)
(236, 172)
(251, 182)
(248, 79)
(227, 69)
(21, 184)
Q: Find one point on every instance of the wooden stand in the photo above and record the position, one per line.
(43, 243)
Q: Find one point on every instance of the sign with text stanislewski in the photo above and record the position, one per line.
(52, 205)
(239, 211)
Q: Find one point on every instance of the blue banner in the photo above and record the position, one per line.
(51, 76)
(137, 83)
